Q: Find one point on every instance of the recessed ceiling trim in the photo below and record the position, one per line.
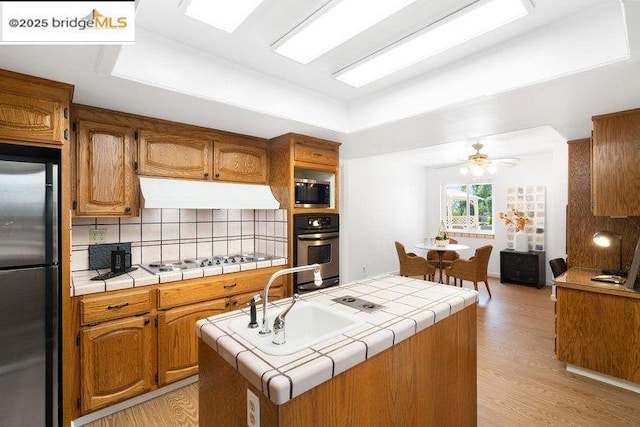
(332, 24)
(463, 25)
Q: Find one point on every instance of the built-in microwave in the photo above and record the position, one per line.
(311, 193)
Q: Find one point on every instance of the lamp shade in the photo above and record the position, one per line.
(605, 238)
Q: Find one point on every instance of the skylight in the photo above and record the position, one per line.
(332, 25)
(462, 26)
(225, 15)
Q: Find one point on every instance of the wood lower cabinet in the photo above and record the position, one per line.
(174, 156)
(117, 360)
(33, 109)
(135, 340)
(105, 160)
(597, 325)
(178, 341)
(240, 162)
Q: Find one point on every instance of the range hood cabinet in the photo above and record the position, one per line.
(189, 194)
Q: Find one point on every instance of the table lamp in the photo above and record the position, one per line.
(605, 238)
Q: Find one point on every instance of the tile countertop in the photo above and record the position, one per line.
(411, 305)
(81, 283)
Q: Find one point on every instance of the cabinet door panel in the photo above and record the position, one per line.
(31, 119)
(104, 170)
(614, 162)
(174, 156)
(240, 163)
(315, 153)
(178, 341)
(117, 361)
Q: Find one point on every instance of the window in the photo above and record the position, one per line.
(468, 208)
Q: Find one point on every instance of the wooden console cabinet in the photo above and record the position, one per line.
(526, 268)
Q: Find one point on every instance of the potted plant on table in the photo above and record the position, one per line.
(442, 239)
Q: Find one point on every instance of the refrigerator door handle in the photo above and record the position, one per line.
(51, 214)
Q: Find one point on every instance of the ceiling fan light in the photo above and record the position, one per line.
(476, 170)
(464, 171)
(492, 168)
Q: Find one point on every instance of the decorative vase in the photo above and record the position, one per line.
(521, 242)
(442, 242)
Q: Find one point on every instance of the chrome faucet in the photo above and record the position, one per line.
(278, 324)
(317, 280)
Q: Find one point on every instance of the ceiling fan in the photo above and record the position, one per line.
(477, 164)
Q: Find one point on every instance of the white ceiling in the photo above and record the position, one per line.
(552, 70)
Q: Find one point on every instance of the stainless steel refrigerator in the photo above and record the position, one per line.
(29, 278)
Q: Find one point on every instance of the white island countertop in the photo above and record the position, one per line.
(410, 306)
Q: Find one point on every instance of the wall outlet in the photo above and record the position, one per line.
(253, 409)
(364, 268)
(97, 235)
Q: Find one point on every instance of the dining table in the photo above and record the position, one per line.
(441, 250)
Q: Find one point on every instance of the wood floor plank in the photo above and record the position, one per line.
(520, 382)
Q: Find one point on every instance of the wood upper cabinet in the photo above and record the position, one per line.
(33, 109)
(117, 361)
(105, 179)
(178, 341)
(174, 156)
(240, 162)
(308, 150)
(615, 157)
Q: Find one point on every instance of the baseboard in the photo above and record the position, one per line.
(132, 402)
(627, 385)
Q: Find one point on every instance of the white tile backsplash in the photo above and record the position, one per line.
(188, 215)
(166, 234)
(151, 232)
(170, 215)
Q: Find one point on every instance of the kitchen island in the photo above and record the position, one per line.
(411, 363)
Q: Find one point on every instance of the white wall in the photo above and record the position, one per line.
(381, 201)
(549, 169)
(384, 200)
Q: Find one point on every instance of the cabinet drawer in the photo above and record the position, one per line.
(209, 288)
(95, 309)
(236, 302)
(311, 153)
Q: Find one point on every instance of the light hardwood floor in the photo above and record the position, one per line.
(520, 383)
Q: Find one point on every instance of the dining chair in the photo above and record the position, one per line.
(447, 257)
(473, 269)
(414, 265)
(558, 266)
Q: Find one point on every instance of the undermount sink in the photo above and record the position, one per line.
(307, 323)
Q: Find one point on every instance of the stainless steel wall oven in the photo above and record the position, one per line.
(316, 241)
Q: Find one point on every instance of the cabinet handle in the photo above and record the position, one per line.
(317, 154)
(66, 134)
(117, 306)
(206, 174)
(127, 209)
(233, 285)
(217, 175)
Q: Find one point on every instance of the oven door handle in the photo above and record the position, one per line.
(318, 236)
